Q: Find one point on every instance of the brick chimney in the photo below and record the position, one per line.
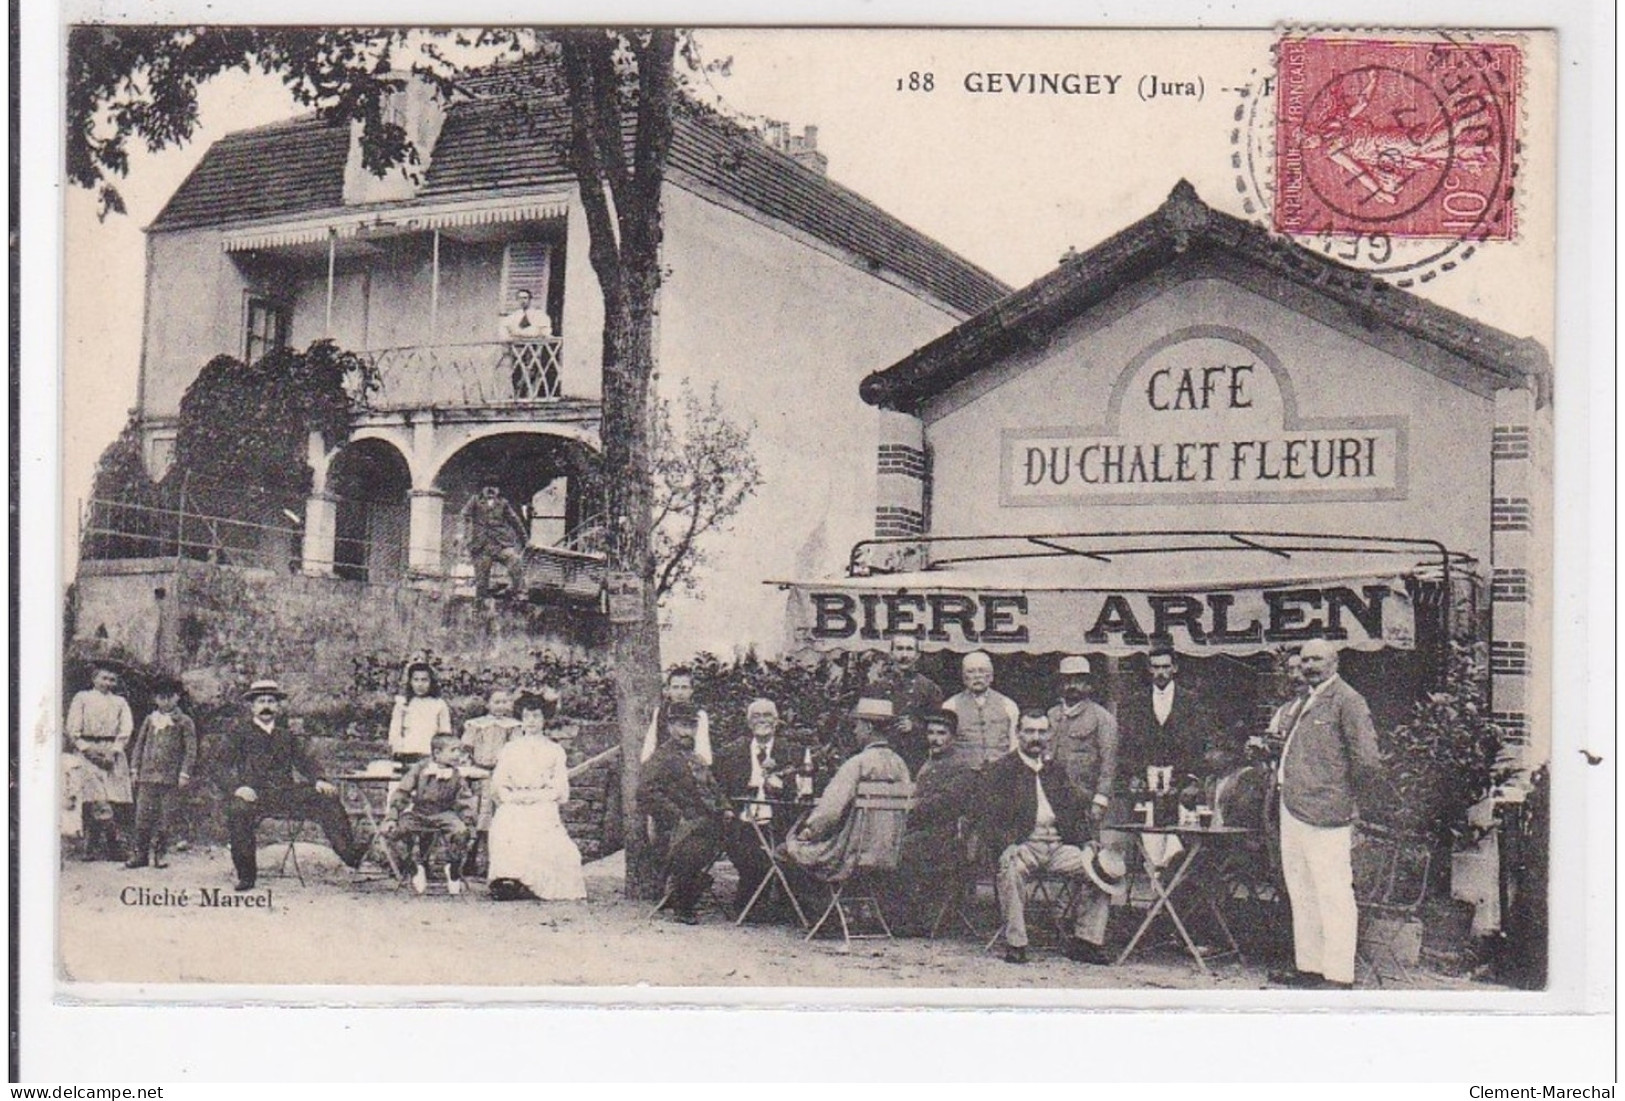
(416, 107)
(801, 148)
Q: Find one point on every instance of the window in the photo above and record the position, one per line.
(526, 267)
(160, 454)
(267, 328)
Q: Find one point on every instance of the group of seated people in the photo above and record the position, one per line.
(492, 795)
(1019, 806)
(512, 822)
(1027, 792)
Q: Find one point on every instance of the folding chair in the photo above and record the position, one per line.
(1056, 893)
(875, 800)
(956, 905)
(1390, 883)
(293, 829)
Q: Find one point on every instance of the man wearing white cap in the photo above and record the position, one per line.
(824, 846)
(268, 774)
(987, 719)
(1330, 752)
(1086, 747)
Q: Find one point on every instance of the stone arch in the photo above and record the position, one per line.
(529, 467)
(370, 482)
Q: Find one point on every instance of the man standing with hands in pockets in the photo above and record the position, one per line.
(1330, 753)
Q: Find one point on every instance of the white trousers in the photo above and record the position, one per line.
(1318, 868)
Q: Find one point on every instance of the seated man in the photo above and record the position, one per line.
(266, 773)
(934, 855)
(432, 800)
(758, 769)
(688, 808)
(1033, 818)
(834, 841)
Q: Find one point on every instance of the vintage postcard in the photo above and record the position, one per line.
(945, 516)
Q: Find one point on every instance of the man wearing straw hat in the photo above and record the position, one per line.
(268, 774)
(836, 839)
(1086, 747)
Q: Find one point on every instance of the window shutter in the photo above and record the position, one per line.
(525, 268)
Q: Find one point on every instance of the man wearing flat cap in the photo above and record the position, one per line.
(934, 846)
(838, 838)
(268, 774)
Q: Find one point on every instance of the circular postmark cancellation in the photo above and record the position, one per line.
(1396, 156)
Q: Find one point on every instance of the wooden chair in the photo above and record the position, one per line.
(874, 799)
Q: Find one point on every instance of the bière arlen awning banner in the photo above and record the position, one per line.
(864, 614)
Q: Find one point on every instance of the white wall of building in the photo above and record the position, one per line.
(1333, 375)
(787, 331)
(195, 303)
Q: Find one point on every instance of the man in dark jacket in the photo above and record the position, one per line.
(678, 791)
(913, 696)
(1033, 818)
(934, 846)
(268, 774)
(1166, 724)
(759, 769)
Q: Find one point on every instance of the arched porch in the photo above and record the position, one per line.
(551, 481)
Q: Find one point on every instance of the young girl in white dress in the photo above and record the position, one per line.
(418, 716)
(531, 854)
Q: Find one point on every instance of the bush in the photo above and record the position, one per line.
(1446, 757)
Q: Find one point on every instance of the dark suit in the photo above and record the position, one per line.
(679, 793)
(934, 858)
(1008, 824)
(1187, 740)
(732, 767)
(283, 777)
(912, 696)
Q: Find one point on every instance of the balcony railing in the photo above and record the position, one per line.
(497, 372)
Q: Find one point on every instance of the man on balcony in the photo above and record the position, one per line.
(523, 329)
(493, 532)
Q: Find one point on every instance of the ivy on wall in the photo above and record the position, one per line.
(241, 443)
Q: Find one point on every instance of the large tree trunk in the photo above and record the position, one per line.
(628, 367)
(622, 207)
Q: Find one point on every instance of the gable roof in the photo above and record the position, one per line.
(1182, 230)
(503, 139)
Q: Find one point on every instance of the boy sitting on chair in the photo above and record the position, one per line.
(432, 800)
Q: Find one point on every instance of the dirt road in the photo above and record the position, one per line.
(128, 926)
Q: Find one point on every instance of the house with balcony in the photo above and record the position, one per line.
(782, 289)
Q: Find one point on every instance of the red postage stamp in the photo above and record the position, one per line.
(1413, 139)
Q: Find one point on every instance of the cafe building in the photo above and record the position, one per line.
(1205, 436)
